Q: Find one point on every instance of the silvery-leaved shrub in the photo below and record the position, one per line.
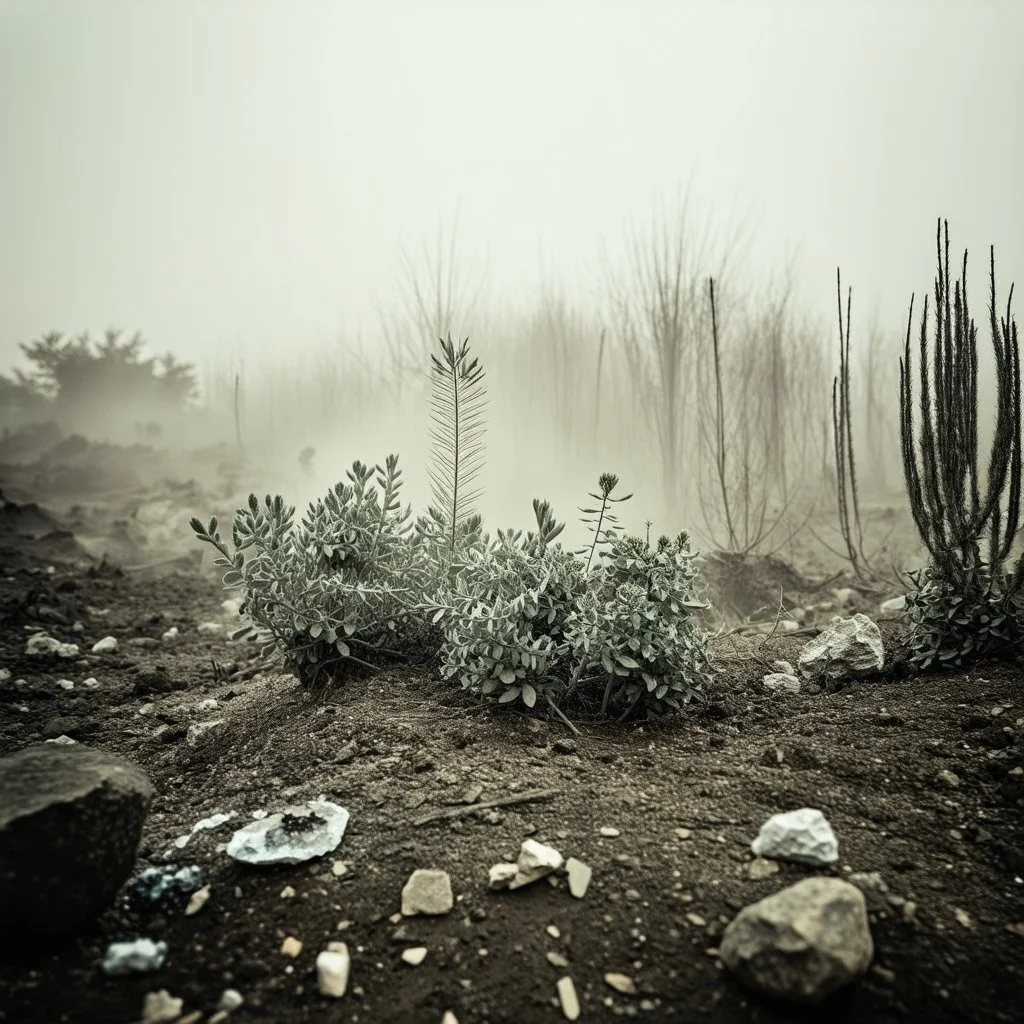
(642, 651)
(506, 613)
(340, 589)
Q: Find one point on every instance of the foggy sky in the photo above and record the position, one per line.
(229, 175)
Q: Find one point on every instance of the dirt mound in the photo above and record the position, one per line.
(748, 587)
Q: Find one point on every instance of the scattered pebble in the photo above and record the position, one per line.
(333, 966)
(161, 1007)
(135, 957)
(609, 831)
(105, 646)
(291, 947)
(568, 999)
(415, 955)
(427, 891)
(230, 999)
(197, 901)
(579, 877)
(621, 983)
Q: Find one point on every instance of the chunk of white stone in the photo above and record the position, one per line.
(427, 891)
(804, 836)
(568, 999)
(134, 957)
(105, 646)
(291, 836)
(536, 860)
(333, 967)
(781, 681)
(501, 875)
(846, 648)
(579, 877)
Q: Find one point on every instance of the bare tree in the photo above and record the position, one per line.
(657, 318)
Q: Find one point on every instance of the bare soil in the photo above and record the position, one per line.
(400, 751)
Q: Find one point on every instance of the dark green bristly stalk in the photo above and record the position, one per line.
(457, 403)
(968, 602)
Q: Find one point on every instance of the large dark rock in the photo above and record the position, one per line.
(70, 823)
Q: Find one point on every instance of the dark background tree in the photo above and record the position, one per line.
(105, 389)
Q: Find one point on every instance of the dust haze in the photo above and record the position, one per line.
(297, 200)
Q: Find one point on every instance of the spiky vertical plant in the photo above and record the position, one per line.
(847, 495)
(966, 604)
(458, 398)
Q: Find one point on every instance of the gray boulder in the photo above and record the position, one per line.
(70, 823)
(800, 944)
(846, 648)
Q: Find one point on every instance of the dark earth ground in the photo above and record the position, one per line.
(949, 939)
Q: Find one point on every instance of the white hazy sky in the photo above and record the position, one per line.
(227, 173)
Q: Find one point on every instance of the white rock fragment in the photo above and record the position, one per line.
(230, 999)
(609, 831)
(579, 877)
(427, 891)
(62, 740)
(414, 955)
(781, 681)
(846, 648)
(91, 683)
(161, 1007)
(800, 944)
(231, 606)
(135, 957)
(66, 684)
(783, 667)
(893, 605)
(621, 983)
(333, 966)
(197, 901)
(536, 860)
(204, 823)
(170, 634)
(105, 646)
(501, 875)
(296, 834)
(567, 998)
(804, 836)
(210, 628)
(291, 946)
(43, 644)
(449, 1018)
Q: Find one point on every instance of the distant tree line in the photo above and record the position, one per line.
(102, 388)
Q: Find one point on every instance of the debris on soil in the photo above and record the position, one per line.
(803, 943)
(292, 836)
(431, 778)
(136, 957)
(803, 836)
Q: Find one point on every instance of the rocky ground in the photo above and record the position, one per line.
(920, 777)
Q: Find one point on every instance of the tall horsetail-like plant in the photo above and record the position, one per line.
(457, 402)
(966, 603)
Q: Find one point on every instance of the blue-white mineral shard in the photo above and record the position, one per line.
(291, 836)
